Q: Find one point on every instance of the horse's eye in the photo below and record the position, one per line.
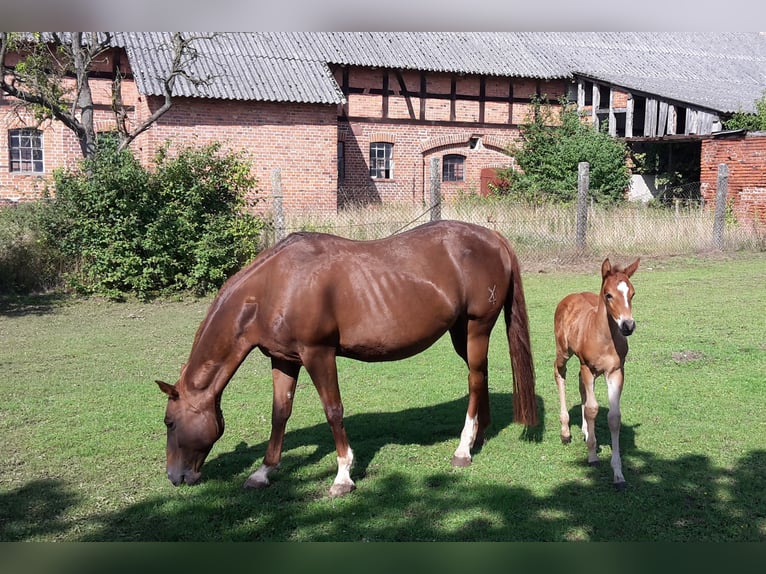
(169, 424)
(608, 296)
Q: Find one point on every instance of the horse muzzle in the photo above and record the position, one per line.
(189, 477)
(627, 327)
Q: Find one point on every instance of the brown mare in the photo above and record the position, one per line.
(595, 329)
(314, 297)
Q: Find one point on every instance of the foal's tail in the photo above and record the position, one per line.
(517, 325)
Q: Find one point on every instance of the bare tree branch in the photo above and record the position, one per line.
(184, 55)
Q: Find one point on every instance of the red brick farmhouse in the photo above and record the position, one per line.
(354, 118)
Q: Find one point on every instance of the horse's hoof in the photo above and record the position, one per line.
(461, 461)
(341, 489)
(255, 484)
(566, 439)
(594, 462)
(620, 486)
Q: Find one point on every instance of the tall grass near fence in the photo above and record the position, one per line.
(547, 232)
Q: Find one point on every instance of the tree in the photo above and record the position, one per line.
(52, 80)
(752, 122)
(551, 148)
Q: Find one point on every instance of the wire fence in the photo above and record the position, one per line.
(553, 234)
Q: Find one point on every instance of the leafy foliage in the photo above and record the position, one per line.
(551, 149)
(183, 226)
(752, 122)
(27, 263)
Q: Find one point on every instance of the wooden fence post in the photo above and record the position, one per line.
(436, 192)
(279, 214)
(720, 205)
(583, 184)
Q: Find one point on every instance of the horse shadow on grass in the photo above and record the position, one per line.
(682, 498)
(368, 433)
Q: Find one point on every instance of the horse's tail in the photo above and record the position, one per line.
(517, 326)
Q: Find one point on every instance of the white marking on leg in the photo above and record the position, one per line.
(467, 437)
(343, 483)
(260, 478)
(614, 416)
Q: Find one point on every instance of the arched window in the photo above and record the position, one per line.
(26, 150)
(452, 168)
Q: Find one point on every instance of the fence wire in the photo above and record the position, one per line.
(546, 234)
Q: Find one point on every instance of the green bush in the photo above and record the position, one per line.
(184, 225)
(549, 153)
(28, 263)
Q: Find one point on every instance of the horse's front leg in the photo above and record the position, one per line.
(560, 375)
(284, 376)
(477, 416)
(589, 411)
(320, 364)
(614, 383)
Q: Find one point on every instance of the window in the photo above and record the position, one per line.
(341, 161)
(26, 147)
(381, 160)
(452, 168)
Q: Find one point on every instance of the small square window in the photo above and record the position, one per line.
(452, 168)
(26, 150)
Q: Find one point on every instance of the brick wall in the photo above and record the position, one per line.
(444, 119)
(298, 139)
(745, 156)
(60, 146)
(301, 140)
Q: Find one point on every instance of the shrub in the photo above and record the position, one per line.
(182, 226)
(27, 262)
(550, 151)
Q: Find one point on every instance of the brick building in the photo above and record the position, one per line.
(355, 118)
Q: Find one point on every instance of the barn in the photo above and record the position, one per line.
(354, 118)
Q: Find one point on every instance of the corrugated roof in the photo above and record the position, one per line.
(238, 66)
(725, 72)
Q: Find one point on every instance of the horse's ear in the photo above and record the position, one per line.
(606, 267)
(631, 269)
(169, 390)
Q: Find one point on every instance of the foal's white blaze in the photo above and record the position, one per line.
(623, 288)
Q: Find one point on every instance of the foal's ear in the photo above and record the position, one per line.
(169, 390)
(631, 269)
(606, 267)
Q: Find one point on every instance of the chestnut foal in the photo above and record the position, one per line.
(595, 327)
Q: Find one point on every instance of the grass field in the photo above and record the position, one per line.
(82, 449)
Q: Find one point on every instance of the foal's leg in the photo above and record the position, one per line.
(589, 411)
(477, 416)
(284, 376)
(320, 364)
(560, 375)
(614, 382)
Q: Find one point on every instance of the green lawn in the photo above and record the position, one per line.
(82, 449)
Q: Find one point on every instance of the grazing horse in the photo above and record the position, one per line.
(314, 297)
(595, 327)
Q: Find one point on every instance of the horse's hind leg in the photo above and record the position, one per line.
(284, 376)
(589, 411)
(477, 416)
(322, 368)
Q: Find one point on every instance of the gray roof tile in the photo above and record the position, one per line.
(725, 72)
